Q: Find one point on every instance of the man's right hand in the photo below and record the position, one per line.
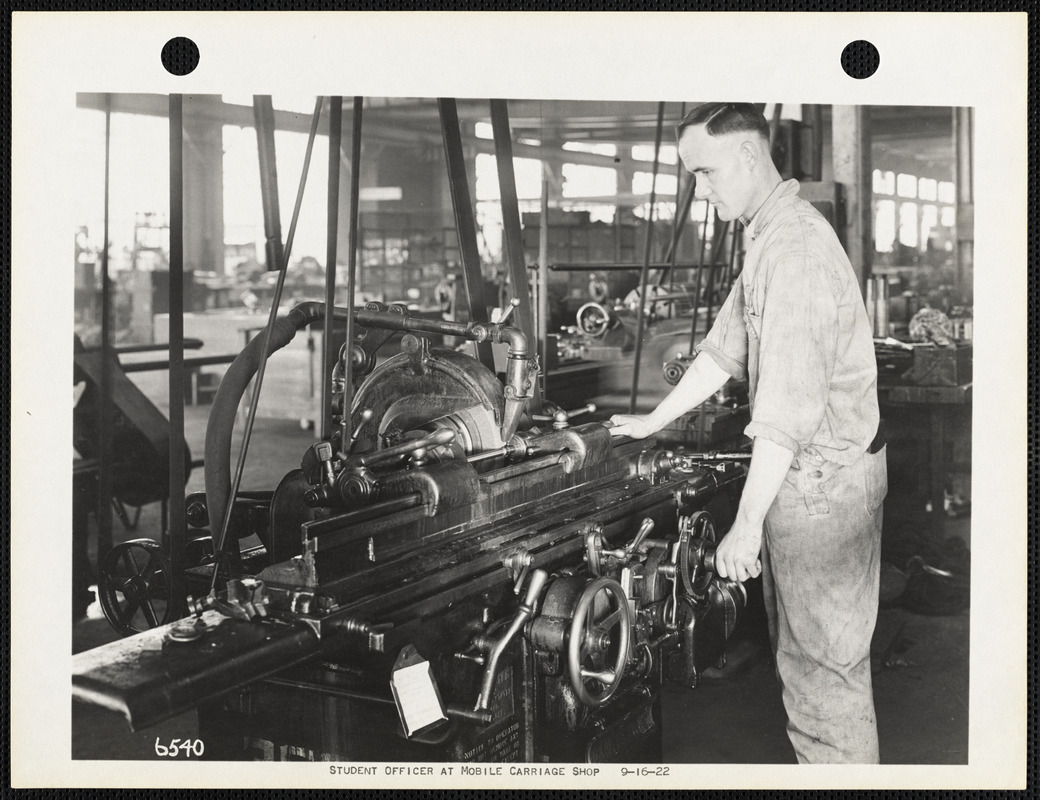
(635, 426)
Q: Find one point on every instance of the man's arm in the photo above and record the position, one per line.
(737, 556)
(701, 381)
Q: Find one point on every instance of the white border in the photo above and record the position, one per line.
(973, 59)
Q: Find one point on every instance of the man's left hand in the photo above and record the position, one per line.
(737, 554)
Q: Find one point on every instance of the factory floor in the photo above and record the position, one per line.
(919, 652)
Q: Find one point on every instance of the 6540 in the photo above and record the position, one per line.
(179, 747)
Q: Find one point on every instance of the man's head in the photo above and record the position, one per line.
(726, 147)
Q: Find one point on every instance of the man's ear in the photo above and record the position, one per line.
(749, 153)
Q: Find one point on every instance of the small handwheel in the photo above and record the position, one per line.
(696, 556)
(135, 586)
(597, 648)
(593, 320)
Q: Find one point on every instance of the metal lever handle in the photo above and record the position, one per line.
(644, 531)
(523, 613)
(513, 305)
(435, 439)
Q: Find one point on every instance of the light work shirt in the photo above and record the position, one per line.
(795, 325)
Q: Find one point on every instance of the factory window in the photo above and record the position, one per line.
(666, 184)
(580, 180)
(645, 152)
(139, 183)
(528, 173)
(884, 182)
(243, 210)
(885, 226)
(946, 192)
(929, 221)
(926, 188)
(908, 224)
(906, 185)
(948, 216)
(483, 130)
(599, 148)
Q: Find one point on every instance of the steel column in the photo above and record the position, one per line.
(177, 531)
(263, 119)
(644, 274)
(851, 148)
(514, 243)
(329, 355)
(104, 511)
(352, 245)
(465, 223)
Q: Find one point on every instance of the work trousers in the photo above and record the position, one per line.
(821, 572)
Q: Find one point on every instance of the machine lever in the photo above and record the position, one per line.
(523, 613)
(436, 439)
(513, 305)
(644, 531)
(366, 415)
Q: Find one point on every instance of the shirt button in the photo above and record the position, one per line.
(817, 474)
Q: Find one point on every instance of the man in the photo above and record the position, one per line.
(809, 519)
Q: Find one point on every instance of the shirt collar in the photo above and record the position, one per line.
(773, 203)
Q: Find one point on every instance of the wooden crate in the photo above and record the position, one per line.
(942, 366)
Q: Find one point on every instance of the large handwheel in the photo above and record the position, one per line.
(597, 648)
(135, 586)
(696, 555)
(593, 320)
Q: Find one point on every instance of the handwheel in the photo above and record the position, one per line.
(597, 648)
(593, 320)
(135, 586)
(696, 557)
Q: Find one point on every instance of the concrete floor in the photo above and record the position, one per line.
(920, 661)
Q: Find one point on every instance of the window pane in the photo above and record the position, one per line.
(948, 216)
(929, 221)
(645, 152)
(906, 185)
(885, 226)
(483, 130)
(908, 224)
(947, 194)
(890, 182)
(926, 188)
(642, 181)
(528, 173)
(580, 180)
(879, 182)
(601, 148)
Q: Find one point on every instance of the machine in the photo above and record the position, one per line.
(448, 577)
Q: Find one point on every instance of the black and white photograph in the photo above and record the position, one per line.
(512, 415)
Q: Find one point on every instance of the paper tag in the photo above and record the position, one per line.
(418, 702)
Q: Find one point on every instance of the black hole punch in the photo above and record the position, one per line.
(860, 59)
(180, 55)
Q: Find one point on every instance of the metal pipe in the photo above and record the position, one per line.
(105, 454)
(543, 279)
(513, 239)
(708, 211)
(221, 541)
(644, 275)
(465, 223)
(611, 266)
(263, 121)
(177, 529)
(352, 249)
(328, 351)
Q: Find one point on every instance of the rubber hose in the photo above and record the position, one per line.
(221, 425)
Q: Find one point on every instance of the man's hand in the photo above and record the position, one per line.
(638, 427)
(737, 554)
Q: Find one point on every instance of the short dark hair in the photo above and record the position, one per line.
(720, 118)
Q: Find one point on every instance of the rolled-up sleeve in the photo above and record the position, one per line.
(797, 353)
(726, 342)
